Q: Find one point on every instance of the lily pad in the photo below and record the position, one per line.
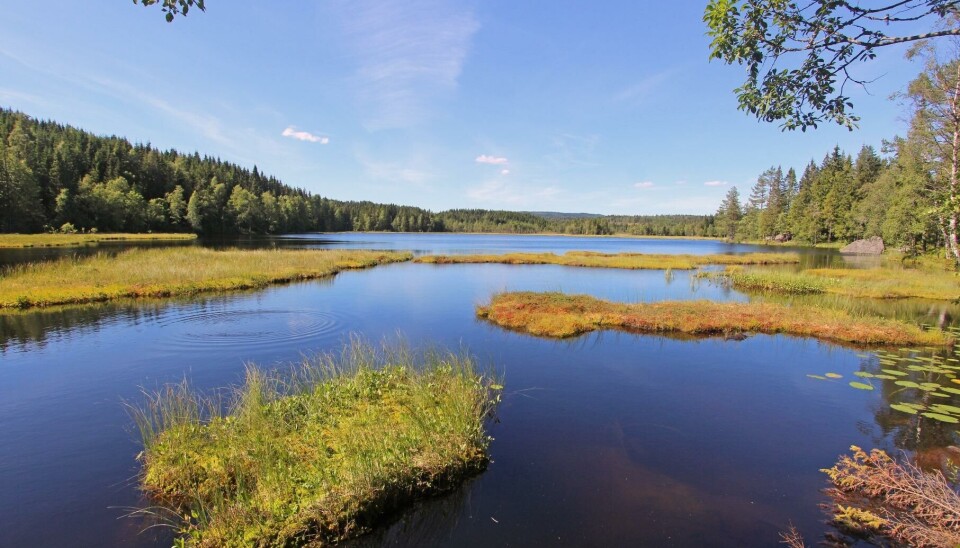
(894, 372)
(861, 386)
(885, 377)
(943, 408)
(907, 384)
(903, 408)
(941, 418)
(863, 374)
(818, 377)
(950, 390)
(833, 375)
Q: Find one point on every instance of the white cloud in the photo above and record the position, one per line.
(504, 172)
(715, 183)
(408, 52)
(495, 160)
(644, 185)
(293, 133)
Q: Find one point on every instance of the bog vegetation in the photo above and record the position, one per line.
(876, 283)
(71, 239)
(560, 315)
(317, 455)
(617, 260)
(172, 272)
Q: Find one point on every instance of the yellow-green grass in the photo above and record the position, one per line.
(617, 260)
(168, 272)
(560, 315)
(877, 283)
(63, 240)
(316, 457)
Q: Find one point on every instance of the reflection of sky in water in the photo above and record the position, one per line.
(606, 439)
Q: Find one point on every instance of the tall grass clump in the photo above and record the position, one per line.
(560, 315)
(317, 454)
(634, 261)
(886, 500)
(170, 272)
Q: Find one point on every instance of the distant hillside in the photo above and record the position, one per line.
(57, 177)
(560, 215)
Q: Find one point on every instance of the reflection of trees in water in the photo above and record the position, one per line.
(429, 523)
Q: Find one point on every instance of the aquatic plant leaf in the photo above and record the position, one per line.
(903, 408)
(950, 390)
(818, 377)
(941, 418)
(863, 374)
(939, 394)
(885, 377)
(894, 372)
(861, 386)
(833, 375)
(944, 408)
(907, 384)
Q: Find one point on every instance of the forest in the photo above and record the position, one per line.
(55, 177)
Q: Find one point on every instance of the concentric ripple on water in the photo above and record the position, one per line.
(248, 329)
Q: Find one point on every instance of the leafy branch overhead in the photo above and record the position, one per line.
(173, 7)
(799, 55)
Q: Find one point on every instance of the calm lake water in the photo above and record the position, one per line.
(607, 439)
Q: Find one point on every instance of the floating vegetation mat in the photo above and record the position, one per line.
(171, 272)
(560, 315)
(65, 240)
(874, 283)
(316, 456)
(634, 261)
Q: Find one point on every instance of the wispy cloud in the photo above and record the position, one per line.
(408, 52)
(643, 185)
(574, 151)
(505, 194)
(715, 183)
(495, 160)
(639, 91)
(504, 172)
(294, 133)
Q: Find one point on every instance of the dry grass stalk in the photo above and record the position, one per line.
(876, 495)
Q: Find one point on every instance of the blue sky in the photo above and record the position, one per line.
(608, 107)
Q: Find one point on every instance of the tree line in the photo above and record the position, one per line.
(54, 177)
(909, 196)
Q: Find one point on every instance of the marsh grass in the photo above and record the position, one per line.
(64, 240)
(560, 315)
(319, 453)
(636, 261)
(170, 272)
(877, 283)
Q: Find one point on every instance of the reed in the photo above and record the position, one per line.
(66, 240)
(875, 283)
(635, 261)
(169, 272)
(560, 315)
(318, 454)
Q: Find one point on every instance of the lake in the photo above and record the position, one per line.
(606, 439)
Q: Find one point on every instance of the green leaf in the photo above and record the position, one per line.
(833, 375)
(861, 386)
(818, 377)
(907, 384)
(903, 408)
(863, 374)
(941, 418)
(894, 372)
